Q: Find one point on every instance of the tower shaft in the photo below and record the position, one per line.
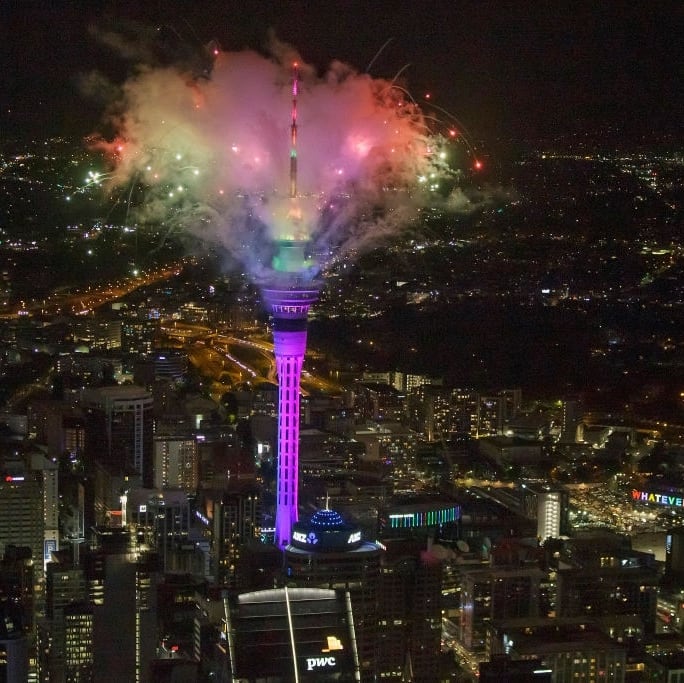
(290, 348)
(290, 308)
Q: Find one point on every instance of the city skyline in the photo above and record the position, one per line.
(454, 453)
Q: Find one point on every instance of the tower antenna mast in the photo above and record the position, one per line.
(293, 132)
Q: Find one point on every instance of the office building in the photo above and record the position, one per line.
(66, 587)
(573, 649)
(22, 519)
(123, 589)
(176, 462)
(496, 592)
(231, 518)
(409, 612)
(327, 552)
(603, 576)
(291, 634)
(119, 428)
(97, 333)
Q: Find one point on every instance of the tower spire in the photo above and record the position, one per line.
(293, 131)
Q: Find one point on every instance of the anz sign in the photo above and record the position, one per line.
(301, 537)
(311, 538)
(354, 537)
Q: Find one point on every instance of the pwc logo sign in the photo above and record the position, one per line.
(326, 661)
(314, 663)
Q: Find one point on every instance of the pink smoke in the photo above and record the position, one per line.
(213, 154)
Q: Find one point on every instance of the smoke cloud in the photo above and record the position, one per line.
(212, 153)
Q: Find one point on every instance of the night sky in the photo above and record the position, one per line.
(508, 70)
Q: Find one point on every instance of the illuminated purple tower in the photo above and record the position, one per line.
(288, 297)
(288, 294)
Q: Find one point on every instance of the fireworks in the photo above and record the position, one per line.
(213, 155)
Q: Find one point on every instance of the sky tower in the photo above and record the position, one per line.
(288, 295)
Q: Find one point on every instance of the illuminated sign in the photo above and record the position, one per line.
(333, 644)
(142, 508)
(659, 498)
(49, 547)
(202, 518)
(309, 539)
(432, 517)
(354, 537)
(313, 663)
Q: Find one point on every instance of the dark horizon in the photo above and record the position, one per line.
(554, 69)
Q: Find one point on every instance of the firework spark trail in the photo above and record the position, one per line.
(213, 154)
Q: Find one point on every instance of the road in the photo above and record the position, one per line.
(230, 360)
(84, 301)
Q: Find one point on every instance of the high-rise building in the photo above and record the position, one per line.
(380, 402)
(18, 593)
(232, 518)
(496, 592)
(439, 412)
(409, 613)
(78, 643)
(66, 586)
(98, 333)
(72, 430)
(674, 555)
(123, 589)
(570, 419)
(604, 576)
(170, 365)
(100, 619)
(163, 519)
(327, 552)
(291, 634)
(18, 584)
(48, 472)
(22, 520)
(119, 428)
(494, 411)
(601, 575)
(550, 507)
(288, 299)
(137, 336)
(550, 514)
(176, 462)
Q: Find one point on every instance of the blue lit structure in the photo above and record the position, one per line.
(326, 531)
